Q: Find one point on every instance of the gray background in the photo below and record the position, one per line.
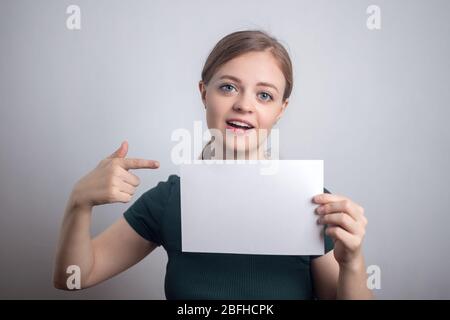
(372, 104)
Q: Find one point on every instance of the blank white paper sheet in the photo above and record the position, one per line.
(235, 207)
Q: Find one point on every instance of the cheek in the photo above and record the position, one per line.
(267, 118)
(216, 109)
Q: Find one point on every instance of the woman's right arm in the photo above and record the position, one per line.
(119, 246)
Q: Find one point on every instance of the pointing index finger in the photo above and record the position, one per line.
(139, 164)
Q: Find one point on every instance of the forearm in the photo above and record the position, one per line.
(75, 244)
(352, 282)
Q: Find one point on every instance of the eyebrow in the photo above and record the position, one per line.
(267, 84)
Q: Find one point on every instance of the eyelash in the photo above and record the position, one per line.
(229, 85)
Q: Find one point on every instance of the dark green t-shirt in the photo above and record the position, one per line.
(156, 216)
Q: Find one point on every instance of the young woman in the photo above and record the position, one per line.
(246, 83)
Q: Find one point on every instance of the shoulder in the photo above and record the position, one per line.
(147, 214)
(158, 196)
(164, 189)
(173, 179)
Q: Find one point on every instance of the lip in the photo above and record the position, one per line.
(241, 120)
(238, 131)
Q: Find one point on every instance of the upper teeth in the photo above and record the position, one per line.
(239, 123)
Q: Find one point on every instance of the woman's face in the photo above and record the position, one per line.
(247, 91)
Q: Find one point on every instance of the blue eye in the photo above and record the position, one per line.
(265, 96)
(227, 86)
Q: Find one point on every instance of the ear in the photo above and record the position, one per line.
(202, 88)
(283, 107)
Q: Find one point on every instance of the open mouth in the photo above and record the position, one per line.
(235, 124)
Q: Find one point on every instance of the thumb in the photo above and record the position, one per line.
(121, 152)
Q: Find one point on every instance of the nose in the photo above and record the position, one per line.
(244, 104)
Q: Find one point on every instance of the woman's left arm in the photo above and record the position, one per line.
(341, 273)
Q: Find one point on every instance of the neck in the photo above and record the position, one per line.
(255, 154)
